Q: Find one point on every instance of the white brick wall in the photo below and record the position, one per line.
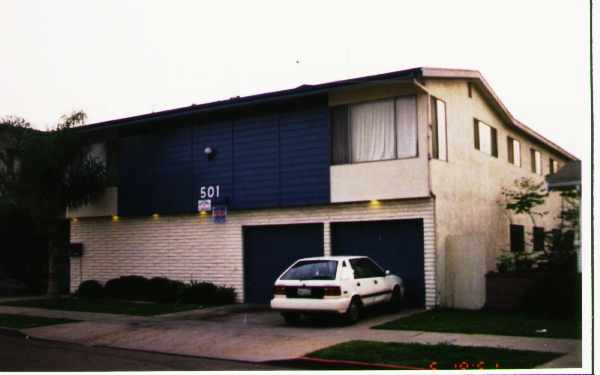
(192, 247)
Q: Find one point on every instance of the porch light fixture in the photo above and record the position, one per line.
(115, 218)
(209, 152)
(374, 203)
(155, 216)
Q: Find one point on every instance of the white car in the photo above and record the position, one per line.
(334, 284)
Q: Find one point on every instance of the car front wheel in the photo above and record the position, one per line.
(396, 300)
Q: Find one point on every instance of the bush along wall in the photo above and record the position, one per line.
(158, 289)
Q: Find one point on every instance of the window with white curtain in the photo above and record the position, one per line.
(376, 130)
(486, 138)
(514, 151)
(438, 129)
(536, 161)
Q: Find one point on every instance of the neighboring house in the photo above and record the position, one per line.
(405, 167)
(566, 178)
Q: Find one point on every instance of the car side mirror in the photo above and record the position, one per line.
(387, 272)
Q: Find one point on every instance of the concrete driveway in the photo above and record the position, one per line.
(254, 334)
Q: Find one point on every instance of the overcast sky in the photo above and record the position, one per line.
(121, 58)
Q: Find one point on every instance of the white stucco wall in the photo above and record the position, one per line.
(467, 190)
(389, 179)
(192, 247)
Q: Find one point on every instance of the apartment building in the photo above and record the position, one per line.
(406, 167)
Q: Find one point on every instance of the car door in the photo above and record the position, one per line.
(377, 276)
(368, 283)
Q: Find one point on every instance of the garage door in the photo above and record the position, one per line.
(269, 250)
(396, 245)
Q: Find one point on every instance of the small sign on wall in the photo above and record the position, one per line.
(204, 205)
(219, 214)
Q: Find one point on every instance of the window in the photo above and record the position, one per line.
(514, 151)
(538, 238)
(312, 270)
(378, 130)
(439, 141)
(364, 268)
(486, 138)
(536, 162)
(517, 238)
(553, 166)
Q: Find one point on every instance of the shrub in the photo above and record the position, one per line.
(555, 294)
(207, 294)
(224, 296)
(162, 289)
(90, 289)
(135, 288)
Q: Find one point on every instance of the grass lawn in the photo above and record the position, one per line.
(486, 322)
(104, 306)
(439, 356)
(24, 321)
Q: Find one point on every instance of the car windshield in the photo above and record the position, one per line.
(312, 270)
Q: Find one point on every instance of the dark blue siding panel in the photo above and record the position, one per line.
(304, 157)
(219, 170)
(278, 157)
(256, 162)
(137, 157)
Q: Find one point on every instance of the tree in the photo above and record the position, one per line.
(42, 173)
(524, 197)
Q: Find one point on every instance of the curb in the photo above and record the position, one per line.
(382, 366)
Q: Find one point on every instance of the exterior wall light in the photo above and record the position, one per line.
(374, 203)
(209, 152)
(115, 218)
(74, 220)
(155, 216)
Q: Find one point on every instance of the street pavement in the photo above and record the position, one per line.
(18, 353)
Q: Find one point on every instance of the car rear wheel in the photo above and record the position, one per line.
(291, 318)
(354, 311)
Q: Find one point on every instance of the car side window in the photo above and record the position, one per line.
(364, 268)
(359, 269)
(374, 269)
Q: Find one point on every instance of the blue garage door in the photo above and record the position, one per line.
(396, 245)
(269, 250)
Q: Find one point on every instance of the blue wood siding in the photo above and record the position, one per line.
(276, 158)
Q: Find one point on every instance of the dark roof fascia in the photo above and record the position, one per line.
(265, 98)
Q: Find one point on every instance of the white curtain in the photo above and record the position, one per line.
(485, 138)
(406, 119)
(372, 131)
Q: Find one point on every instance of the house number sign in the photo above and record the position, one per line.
(210, 191)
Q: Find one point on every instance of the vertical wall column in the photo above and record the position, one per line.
(326, 239)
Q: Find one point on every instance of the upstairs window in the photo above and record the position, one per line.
(377, 130)
(553, 166)
(514, 151)
(486, 138)
(439, 140)
(536, 161)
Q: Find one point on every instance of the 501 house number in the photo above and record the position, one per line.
(210, 191)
